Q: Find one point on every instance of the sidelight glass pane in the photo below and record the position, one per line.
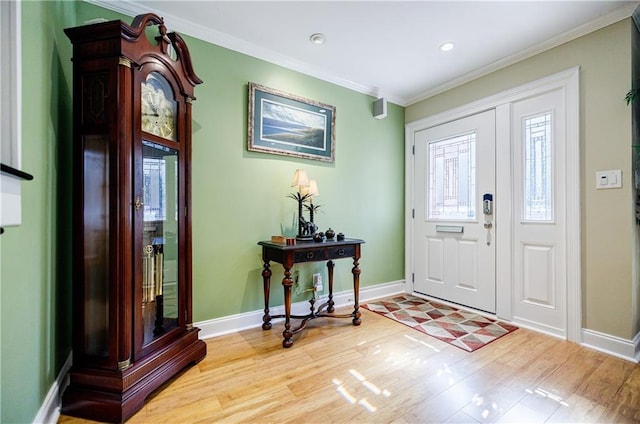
(160, 240)
(452, 178)
(538, 196)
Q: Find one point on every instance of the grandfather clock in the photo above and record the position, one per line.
(132, 327)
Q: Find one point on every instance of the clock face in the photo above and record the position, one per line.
(158, 107)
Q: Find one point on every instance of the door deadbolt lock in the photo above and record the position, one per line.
(487, 204)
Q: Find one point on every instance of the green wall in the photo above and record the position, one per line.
(239, 197)
(34, 275)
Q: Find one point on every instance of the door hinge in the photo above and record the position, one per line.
(413, 150)
(413, 213)
(413, 277)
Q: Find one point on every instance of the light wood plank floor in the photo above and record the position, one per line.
(384, 372)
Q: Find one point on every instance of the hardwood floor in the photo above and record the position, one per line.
(384, 372)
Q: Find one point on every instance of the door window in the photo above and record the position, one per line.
(452, 178)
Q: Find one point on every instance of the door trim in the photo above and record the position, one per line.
(568, 82)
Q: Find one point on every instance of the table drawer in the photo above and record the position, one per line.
(309, 255)
(341, 252)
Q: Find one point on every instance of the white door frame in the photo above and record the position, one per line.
(568, 82)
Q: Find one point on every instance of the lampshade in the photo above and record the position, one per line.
(313, 188)
(300, 179)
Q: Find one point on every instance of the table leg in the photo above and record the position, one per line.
(330, 303)
(266, 283)
(356, 292)
(287, 282)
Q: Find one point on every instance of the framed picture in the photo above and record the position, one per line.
(285, 124)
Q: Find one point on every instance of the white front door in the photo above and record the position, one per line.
(454, 241)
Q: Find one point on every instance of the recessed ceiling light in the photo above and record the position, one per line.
(318, 38)
(445, 47)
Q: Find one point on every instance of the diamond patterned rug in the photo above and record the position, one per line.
(464, 329)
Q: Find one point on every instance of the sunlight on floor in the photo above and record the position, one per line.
(422, 343)
(344, 392)
(446, 372)
(489, 409)
(365, 403)
(546, 394)
(352, 399)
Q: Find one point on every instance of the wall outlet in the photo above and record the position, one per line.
(317, 282)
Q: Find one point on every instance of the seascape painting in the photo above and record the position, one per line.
(285, 124)
(281, 123)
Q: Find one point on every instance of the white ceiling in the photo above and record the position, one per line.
(385, 48)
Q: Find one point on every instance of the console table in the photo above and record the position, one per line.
(311, 251)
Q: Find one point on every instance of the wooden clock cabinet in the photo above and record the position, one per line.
(132, 316)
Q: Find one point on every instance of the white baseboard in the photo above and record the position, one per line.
(558, 333)
(238, 322)
(50, 409)
(612, 345)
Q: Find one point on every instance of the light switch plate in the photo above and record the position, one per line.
(609, 179)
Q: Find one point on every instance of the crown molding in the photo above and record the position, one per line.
(183, 26)
(599, 23)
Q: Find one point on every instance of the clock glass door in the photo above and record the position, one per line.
(159, 240)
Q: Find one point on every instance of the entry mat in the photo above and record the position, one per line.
(464, 329)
